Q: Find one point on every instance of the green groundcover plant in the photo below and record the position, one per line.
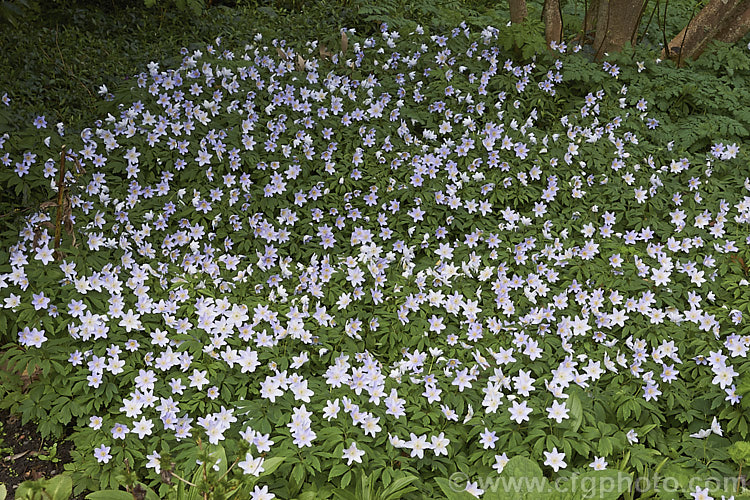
(403, 265)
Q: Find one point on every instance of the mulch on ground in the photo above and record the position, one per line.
(24, 455)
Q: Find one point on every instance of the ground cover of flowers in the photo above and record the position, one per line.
(399, 255)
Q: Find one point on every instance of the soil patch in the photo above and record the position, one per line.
(24, 455)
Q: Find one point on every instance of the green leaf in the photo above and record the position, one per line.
(346, 479)
(600, 485)
(59, 487)
(192, 493)
(220, 455)
(25, 490)
(452, 489)
(150, 493)
(396, 488)
(344, 494)
(337, 470)
(647, 428)
(576, 412)
(521, 479)
(298, 475)
(271, 464)
(3, 492)
(109, 495)
(740, 452)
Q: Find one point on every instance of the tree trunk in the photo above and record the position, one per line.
(735, 31)
(617, 24)
(586, 35)
(518, 11)
(553, 26)
(589, 19)
(723, 20)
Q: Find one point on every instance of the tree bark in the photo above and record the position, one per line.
(586, 34)
(553, 26)
(589, 19)
(617, 24)
(735, 31)
(518, 11)
(723, 20)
